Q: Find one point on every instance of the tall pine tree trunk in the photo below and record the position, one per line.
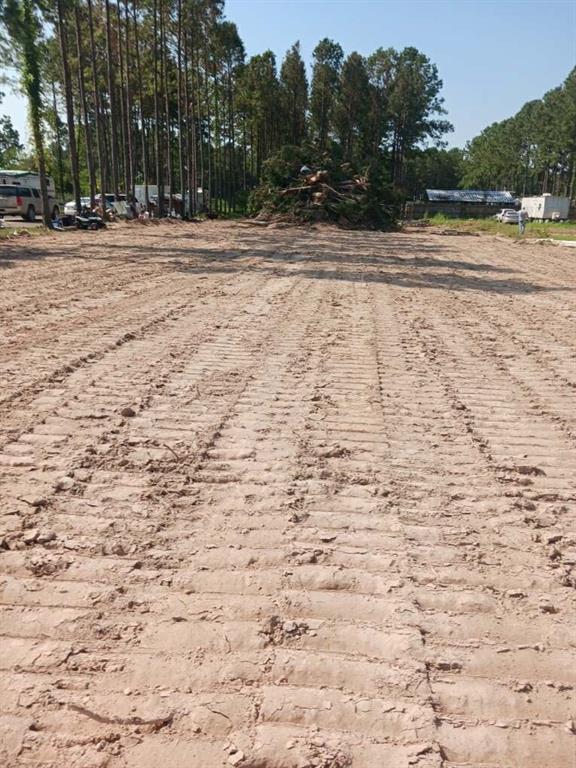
(164, 48)
(122, 101)
(157, 148)
(129, 121)
(69, 102)
(210, 181)
(143, 137)
(84, 106)
(97, 106)
(112, 105)
(199, 131)
(217, 143)
(231, 145)
(180, 113)
(24, 30)
(190, 119)
(59, 156)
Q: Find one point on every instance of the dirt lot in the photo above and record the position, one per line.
(279, 498)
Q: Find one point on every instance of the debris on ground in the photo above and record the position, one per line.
(328, 191)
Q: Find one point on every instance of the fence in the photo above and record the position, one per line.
(422, 209)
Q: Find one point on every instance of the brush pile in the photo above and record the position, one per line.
(315, 189)
(296, 193)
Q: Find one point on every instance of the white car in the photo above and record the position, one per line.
(70, 208)
(507, 216)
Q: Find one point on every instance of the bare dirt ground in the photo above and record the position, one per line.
(281, 498)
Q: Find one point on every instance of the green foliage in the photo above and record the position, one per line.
(415, 107)
(534, 229)
(375, 208)
(22, 23)
(383, 203)
(433, 168)
(159, 90)
(258, 99)
(10, 147)
(532, 152)
(327, 58)
(294, 96)
(351, 114)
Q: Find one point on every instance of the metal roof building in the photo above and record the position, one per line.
(489, 197)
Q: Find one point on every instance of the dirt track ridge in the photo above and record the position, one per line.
(287, 499)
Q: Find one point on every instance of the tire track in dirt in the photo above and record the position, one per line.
(136, 325)
(71, 409)
(535, 340)
(529, 703)
(545, 391)
(535, 474)
(209, 356)
(103, 321)
(274, 632)
(542, 262)
(69, 303)
(304, 634)
(317, 543)
(78, 279)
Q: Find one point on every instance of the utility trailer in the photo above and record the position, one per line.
(546, 207)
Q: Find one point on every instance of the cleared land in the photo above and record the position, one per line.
(281, 498)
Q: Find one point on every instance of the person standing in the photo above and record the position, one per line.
(522, 216)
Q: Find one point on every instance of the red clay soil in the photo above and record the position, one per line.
(287, 498)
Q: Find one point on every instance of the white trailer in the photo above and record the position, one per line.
(27, 179)
(546, 207)
(140, 194)
(153, 192)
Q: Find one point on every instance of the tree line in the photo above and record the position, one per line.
(532, 152)
(160, 92)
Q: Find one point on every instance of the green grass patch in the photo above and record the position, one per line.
(534, 229)
(563, 237)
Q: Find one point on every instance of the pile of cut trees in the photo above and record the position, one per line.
(328, 193)
(338, 195)
(316, 190)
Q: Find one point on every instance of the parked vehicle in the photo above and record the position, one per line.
(176, 204)
(20, 195)
(70, 207)
(89, 220)
(546, 207)
(113, 200)
(507, 216)
(114, 205)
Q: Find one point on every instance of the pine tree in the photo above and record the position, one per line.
(158, 91)
(352, 109)
(23, 25)
(415, 105)
(61, 8)
(328, 57)
(294, 96)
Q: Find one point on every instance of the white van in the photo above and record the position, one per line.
(20, 195)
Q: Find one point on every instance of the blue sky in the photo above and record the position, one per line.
(493, 55)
